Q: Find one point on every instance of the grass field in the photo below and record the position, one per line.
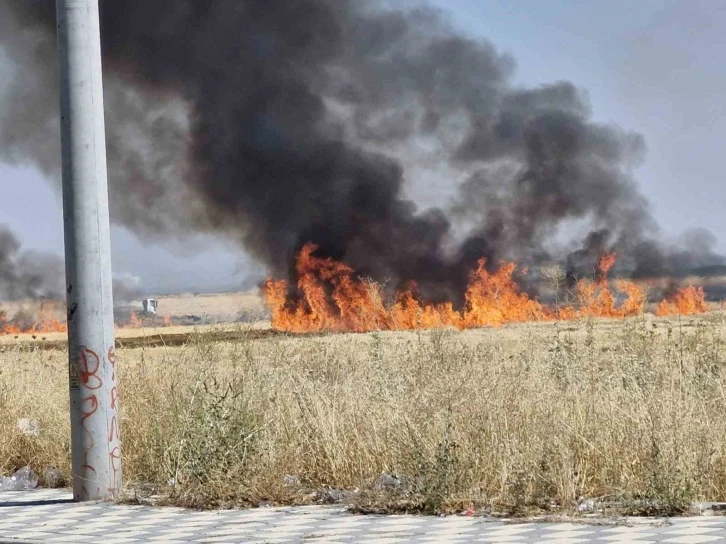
(518, 418)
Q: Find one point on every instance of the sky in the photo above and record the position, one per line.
(654, 67)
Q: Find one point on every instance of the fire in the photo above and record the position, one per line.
(134, 321)
(47, 322)
(350, 305)
(597, 298)
(42, 323)
(139, 322)
(687, 301)
(6, 326)
(43, 320)
(493, 299)
(331, 298)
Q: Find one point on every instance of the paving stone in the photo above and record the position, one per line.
(50, 516)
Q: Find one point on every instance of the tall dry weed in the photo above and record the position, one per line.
(521, 417)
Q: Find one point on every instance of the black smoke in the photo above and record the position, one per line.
(281, 123)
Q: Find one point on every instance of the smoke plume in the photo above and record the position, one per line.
(293, 123)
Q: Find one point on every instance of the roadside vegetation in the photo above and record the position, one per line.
(524, 418)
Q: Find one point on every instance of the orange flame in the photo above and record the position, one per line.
(46, 322)
(43, 323)
(134, 321)
(493, 299)
(597, 299)
(6, 327)
(332, 299)
(687, 301)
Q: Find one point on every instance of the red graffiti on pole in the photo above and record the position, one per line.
(89, 407)
(90, 364)
(114, 389)
(113, 435)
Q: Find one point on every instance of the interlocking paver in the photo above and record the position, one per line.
(50, 516)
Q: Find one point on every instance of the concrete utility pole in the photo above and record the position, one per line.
(95, 441)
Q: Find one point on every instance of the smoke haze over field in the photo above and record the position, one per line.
(275, 127)
(35, 275)
(27, 274)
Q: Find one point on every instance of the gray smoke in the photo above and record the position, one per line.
(282, 125)
(28, 274)
(35, 275)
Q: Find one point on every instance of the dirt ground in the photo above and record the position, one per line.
(219, 307)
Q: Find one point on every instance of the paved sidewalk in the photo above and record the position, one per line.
(50, 516)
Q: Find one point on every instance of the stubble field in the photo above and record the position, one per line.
(534, 416)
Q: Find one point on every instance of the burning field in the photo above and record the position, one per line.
(329, 297)
(30, 322)
(387, 138)
(394, 180)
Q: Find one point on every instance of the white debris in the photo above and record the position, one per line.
(23, 480)
(29, 427)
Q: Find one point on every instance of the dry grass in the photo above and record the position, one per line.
(214, 308)
(218, 307)
(519, 417)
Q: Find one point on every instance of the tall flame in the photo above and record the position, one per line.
(689, 300)
(597, 299)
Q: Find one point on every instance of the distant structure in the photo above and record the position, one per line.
(150, 305)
